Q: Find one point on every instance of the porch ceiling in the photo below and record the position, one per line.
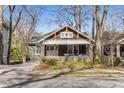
(62, 42)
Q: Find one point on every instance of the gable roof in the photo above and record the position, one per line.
(120, 38)
(113, 37)
(51, 33)
(119, 41)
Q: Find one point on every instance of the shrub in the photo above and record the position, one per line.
(59, 65)
(79, 65)
(88, 64)
(98, 65)
(44, 59)
(52, 62)
(76, 65)
(18, 51)
(49, 61)
(118, 61)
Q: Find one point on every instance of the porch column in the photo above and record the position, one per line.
(44, 53)
(87, 49)
(72, 50)
(57, 49)
(118, 50)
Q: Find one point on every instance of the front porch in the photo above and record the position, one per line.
(69, 47)
(120, 50)
(70, 50)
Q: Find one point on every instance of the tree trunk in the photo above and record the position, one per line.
(98, 48)
(112, 55)
(79, 17)
(112, 52)
(93, 22)
(1, 36)
(93, 29)
(99, 29)
(98, 42)
(10, 37)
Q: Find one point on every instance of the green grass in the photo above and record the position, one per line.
(92, 74)
(78, 65)
(95, 73)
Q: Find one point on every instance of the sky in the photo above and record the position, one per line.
(44, 19)
(48, 14)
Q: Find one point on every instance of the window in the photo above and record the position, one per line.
(47, 47)
(82, 49)
(106, 50)
(76, 47)
(51, 47)
(66, 35)
(38, 50)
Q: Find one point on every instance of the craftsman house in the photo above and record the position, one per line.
(62, 42)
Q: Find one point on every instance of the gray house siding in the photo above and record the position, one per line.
(36, 50)
(42, 48)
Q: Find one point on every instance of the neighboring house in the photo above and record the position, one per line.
(62, 42)
(116, 40)
(119, 45)
(5, 43)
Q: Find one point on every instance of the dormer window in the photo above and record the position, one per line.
(66, 35)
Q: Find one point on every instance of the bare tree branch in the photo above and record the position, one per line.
(18, 18)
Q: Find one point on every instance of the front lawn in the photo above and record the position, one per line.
(53, 67)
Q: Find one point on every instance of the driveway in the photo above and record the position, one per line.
(14, 77)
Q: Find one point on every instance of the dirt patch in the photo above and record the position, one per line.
(40, 67)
